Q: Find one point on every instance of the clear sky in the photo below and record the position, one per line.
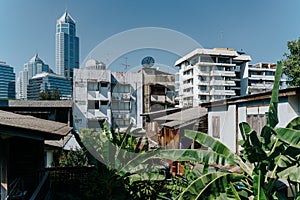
(261, 28)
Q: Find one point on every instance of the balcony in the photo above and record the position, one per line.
(203, 92)
(222, 92)
(260, 86)
(93, 95)
(229, 83)
(228, 73)
(187, 85)
(217, 82)
(203, 73)
(203, 83)
(95, 114)
(188, 76)
(216, 73)
(261, 77)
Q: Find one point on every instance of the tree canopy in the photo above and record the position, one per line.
(292, 63)
(48, 95)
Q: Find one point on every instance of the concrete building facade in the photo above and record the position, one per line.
(100, 95)
(224, 116)
(261, 77)
(211, 74)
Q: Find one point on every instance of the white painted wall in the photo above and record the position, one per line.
(286, 112)
(227, 124)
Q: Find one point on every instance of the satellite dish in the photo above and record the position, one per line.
(148, 61)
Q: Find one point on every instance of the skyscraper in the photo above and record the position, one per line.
(7, 81)
(34, 66)
(67, 46)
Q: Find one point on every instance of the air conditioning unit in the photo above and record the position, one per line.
(126, 96)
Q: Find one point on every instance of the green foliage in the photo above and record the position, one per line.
(74, 158)
(127, 158)
(266, 157)
(48, 95)
(292, 62)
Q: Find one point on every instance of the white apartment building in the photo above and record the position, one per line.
(211, 74)
(261, 77)
(100, 96)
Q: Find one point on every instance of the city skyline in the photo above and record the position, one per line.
(261, 29)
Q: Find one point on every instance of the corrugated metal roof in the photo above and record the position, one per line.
(184, 115)
(50, 128)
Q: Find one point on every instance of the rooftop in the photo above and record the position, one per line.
(66, 18)
(42, 104)
(31, 127)
(214, 52)
(252, 97)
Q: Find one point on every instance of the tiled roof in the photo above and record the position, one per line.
(50, 129)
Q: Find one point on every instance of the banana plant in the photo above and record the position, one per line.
(128, 157)
(264, 159)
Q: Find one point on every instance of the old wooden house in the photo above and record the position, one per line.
(22, 152)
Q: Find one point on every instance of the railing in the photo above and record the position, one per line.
(17, 189)
(42, 189)
(60, 180)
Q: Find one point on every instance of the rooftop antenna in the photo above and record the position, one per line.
(125, 64)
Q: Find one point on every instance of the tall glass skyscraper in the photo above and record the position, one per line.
(34, 66)
(67, 46)
(7, 81)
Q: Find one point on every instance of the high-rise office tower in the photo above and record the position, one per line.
(33, 67)
(7, 81)
(67, 46)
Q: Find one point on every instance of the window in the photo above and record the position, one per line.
(121, 88)
(216, 126)
(194, 61)
(218, 78)
(121, 123)
(92, 86)
(269, 73)
(224, 60)
(203, 68)
(218, 96)
(256, 122)
(95, 124)
(120, 105)
(220, 68)
(203, 87)
(186, 63)
(202, 78)
(104, 84)
(189, 72)
(218, 87)
(93, 104)
(202, 97)
(208, 59)
(104, 103)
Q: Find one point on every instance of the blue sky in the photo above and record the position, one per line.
(259, 27)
